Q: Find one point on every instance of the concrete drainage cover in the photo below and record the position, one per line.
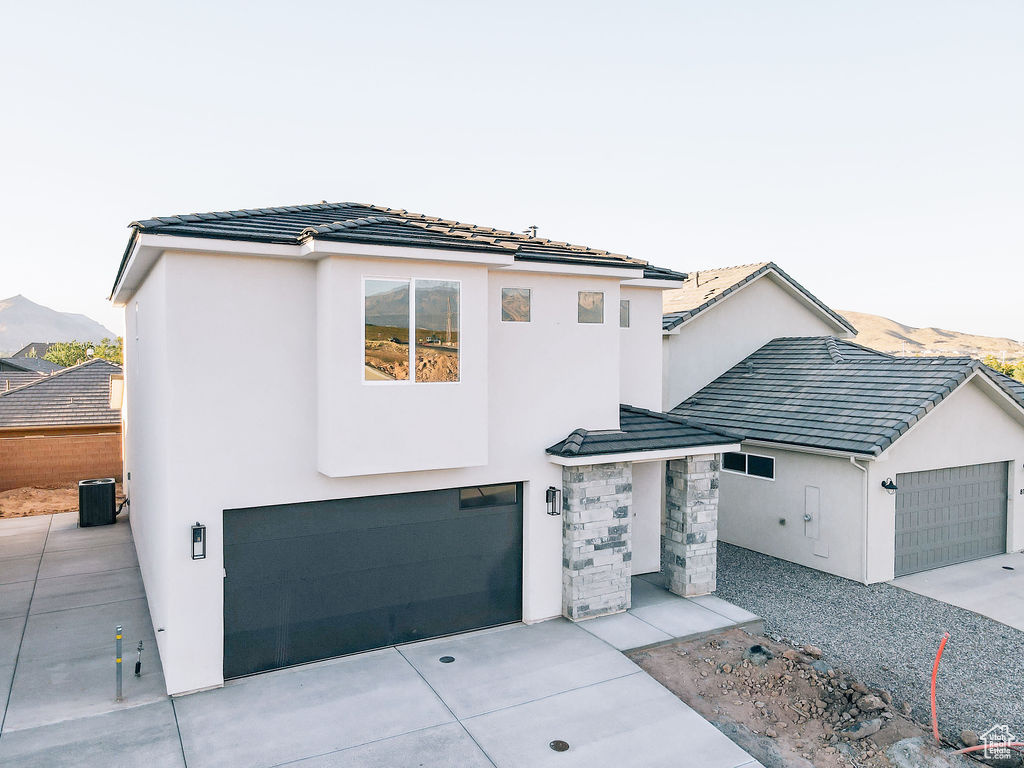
(446, 659)
(559, 746)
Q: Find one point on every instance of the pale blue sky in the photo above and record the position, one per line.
(873, 149)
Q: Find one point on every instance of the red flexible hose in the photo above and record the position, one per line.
(935, 674)
(1009, 745)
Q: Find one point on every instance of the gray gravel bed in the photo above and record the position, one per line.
(887, 637)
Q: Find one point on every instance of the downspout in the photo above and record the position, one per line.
(864, 517)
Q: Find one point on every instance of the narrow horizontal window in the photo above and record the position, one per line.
(735, 462)
(591, 307)
(515, 305)
(488, 496)
(624, 313)
(749, 464)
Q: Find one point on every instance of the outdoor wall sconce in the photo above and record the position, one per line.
(889, 485)
(198, 541)
(551, 496)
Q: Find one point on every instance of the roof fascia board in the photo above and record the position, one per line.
(664, 454)
(549, 268)
(809, 449)
(321, 248)
(647, 282)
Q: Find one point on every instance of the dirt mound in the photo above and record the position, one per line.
(42, 500)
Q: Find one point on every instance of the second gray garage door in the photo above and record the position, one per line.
(951, 515)
(319, 579)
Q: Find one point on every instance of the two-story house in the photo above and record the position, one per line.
(468, 433)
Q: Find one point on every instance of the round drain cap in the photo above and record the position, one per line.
(446, 659)
(559, 746)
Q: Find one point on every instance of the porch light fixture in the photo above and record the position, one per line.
(551, 496)
(889, 485)
(198, 541)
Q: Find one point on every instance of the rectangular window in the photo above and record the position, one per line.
(591, 307)
(624, 313)
(437, 330)
(487, 496)
(515, 305)
(386, 330)
(749, 464)
(391, 352)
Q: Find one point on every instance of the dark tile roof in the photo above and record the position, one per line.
(1009, 384)
(374, 224)
(11, 379)
(29, 364)
(79, 395)
(705, 288)
(829, 393)
(40, 348)
(641, 430)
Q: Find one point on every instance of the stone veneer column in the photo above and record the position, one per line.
(689, 544)
(596, 546)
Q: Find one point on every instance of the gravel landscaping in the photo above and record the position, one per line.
(887, 637)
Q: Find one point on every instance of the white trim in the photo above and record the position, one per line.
(558, 268)
(648, 282)
(809, 449)
(663, 454)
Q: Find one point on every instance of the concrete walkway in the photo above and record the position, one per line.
(499, 698)
(992, 586)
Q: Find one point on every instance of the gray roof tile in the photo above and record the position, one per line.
(74, 396)
(830, 393)
(30, 364)
(641, 430)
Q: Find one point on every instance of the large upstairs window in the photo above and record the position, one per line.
(411, 330)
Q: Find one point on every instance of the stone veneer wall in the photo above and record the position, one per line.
(689, 544)
(596, 546)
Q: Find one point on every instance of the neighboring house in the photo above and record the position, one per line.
(60, 428)
(28, 364)
(866, 465)
(34, 349)
(719, 316)
(477, 440)
(11, 379)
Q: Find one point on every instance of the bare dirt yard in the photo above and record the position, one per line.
(789, 708)
(43, 500)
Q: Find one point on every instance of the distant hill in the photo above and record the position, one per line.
(23, 321)
(887, 335)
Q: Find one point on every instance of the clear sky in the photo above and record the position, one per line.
(875, 150)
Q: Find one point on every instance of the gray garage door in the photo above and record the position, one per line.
(314, 580)
(951, 515)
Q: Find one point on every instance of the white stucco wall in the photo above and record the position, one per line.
(722, 335)
(224, 413)
(750, 510)
(648, 487)
(640, 344)
(974, 425)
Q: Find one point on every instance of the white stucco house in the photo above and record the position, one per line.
(471, 434)
(853, 462)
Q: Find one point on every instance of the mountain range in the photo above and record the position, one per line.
(22, 321)
(887, 335)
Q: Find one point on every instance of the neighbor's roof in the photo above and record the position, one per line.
(31, 364)
(11, 379)
(641, 430)
(74, 396)
(829, 393)
(705, 288)
(374, 224)
(39, 347)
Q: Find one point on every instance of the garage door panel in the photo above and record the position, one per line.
(950, 515)
(292, 594)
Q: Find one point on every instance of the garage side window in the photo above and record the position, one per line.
(749, 464)
(411, 330)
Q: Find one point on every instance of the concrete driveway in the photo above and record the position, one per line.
(506, 694)
(992, 586)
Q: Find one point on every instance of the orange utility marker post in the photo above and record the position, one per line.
(117, 659)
